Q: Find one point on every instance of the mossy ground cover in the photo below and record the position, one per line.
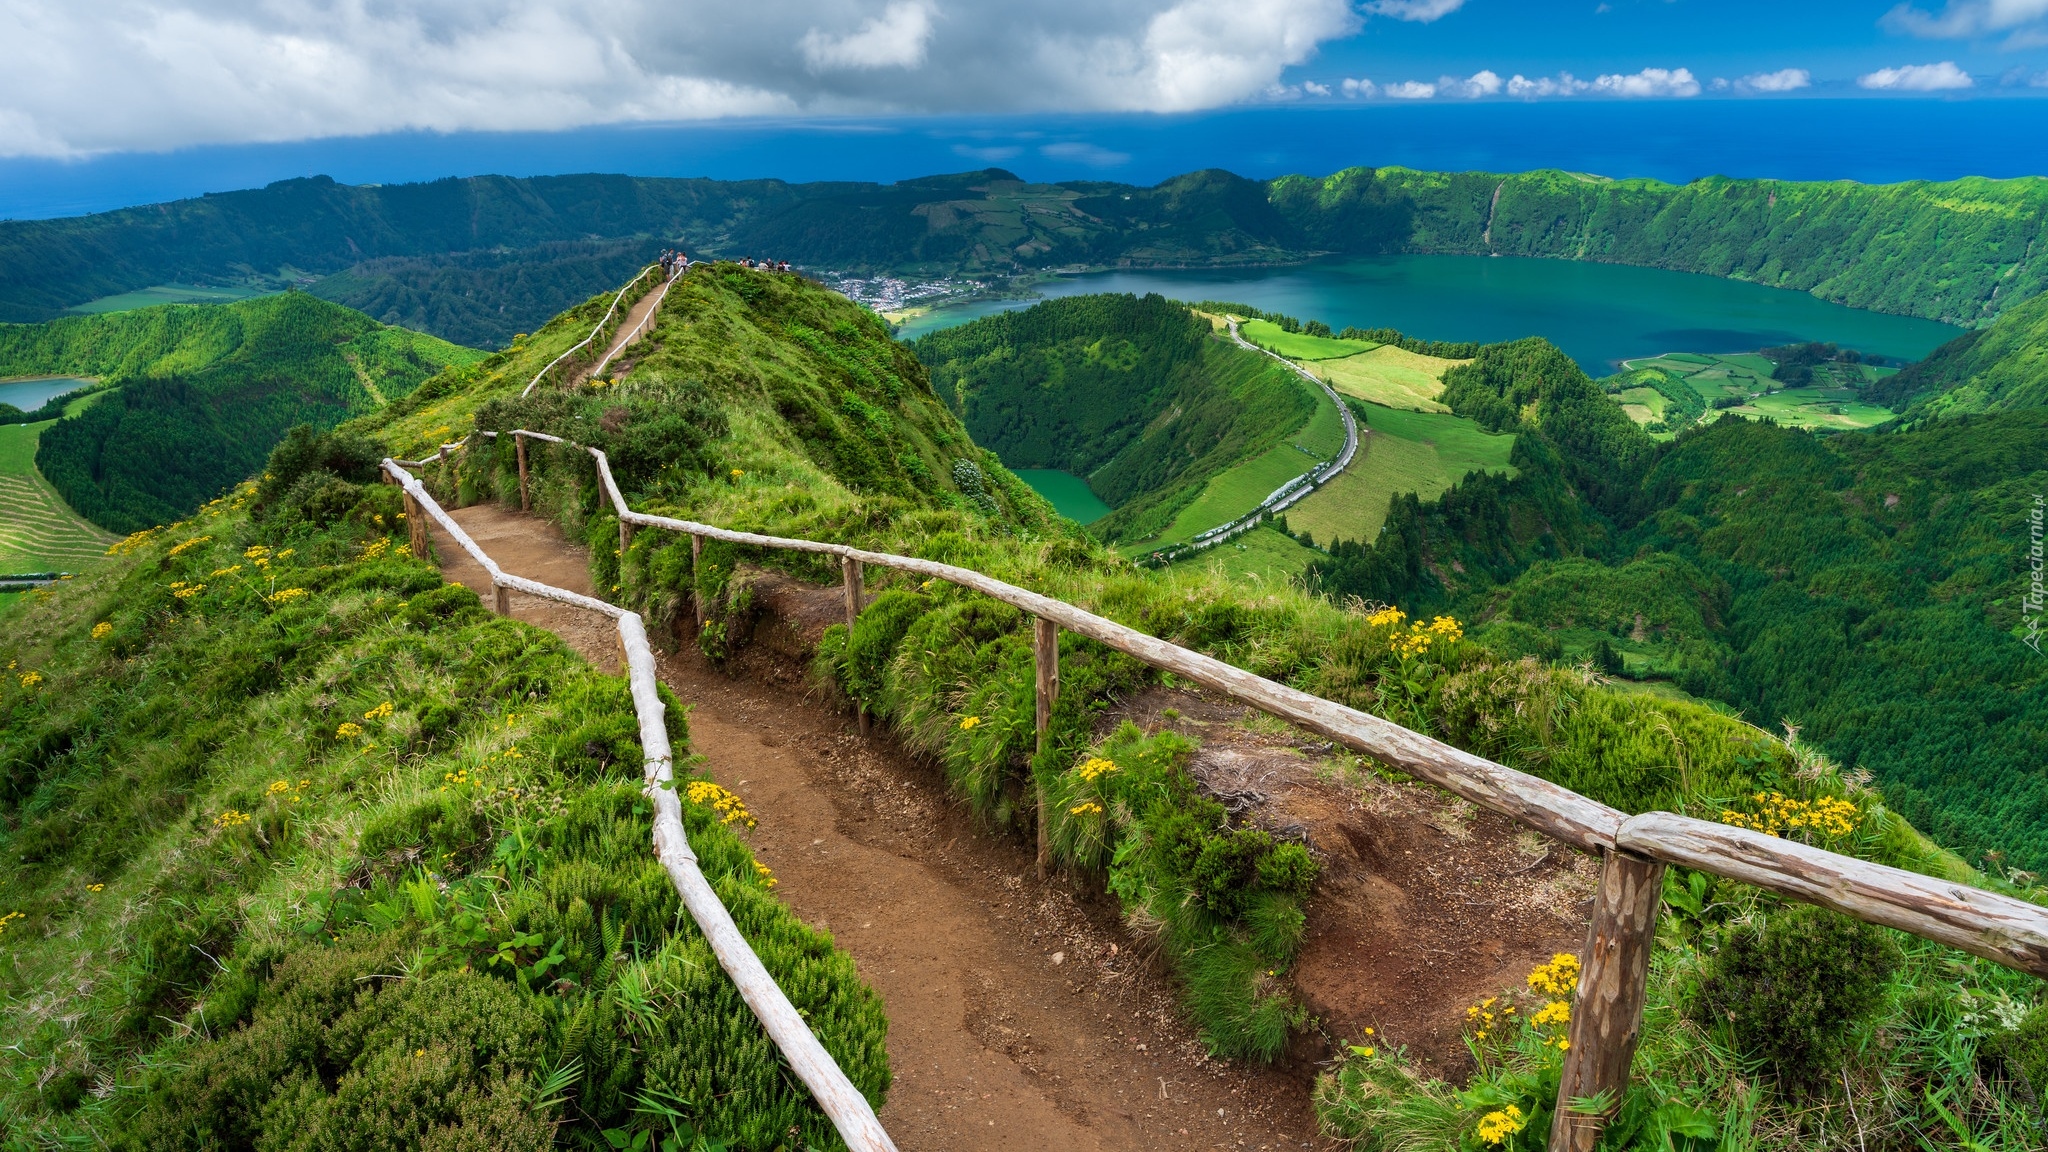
(1398, 451)
(952, 673)
(309, 850)
(1390, 376)
(1300, 345)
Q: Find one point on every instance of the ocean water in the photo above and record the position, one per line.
(1600, 314)
(1875, 140)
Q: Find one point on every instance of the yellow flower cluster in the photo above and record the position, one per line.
(1559, 978)
(10, 918)
(31, 678)
(257, 553)
(1085, 808)
(230, 570)
(1386, 616)
(95, 887)
(736, 473)
(286, 595)
(185, 546)
(1096, 766)
(730, 808)
(133, 541)
(375, 548)
(380, 712)
(1496, 1127)
(1487, 1018)
(184, 591)
(349, 730)
(767, 878)
(1555, 1012)
(969, 723)
(1419, 637)
(231, 819)
(460, 778)
(403, 551)
(1777, 813)
(102, 630)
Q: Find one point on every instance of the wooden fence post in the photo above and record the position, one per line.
(519, 443)
(849, 568)
(501, 597)
(625, 542)
(1045, 651)
(416, 527)
(1607, 1020)
(696, 591)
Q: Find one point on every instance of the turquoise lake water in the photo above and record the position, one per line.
(1600, 314)
(29, 395)
(1070, 495)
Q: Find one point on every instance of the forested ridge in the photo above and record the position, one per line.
(1139, 397)
(201, 393)
(477, 259)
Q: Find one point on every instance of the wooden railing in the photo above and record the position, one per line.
(835, 1094)
(600, 327)
(1635, 850)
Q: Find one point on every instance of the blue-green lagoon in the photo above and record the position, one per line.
(1601, 314)
(1070, 495)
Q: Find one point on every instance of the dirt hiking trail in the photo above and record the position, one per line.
(1021, 1016)
(635, 324)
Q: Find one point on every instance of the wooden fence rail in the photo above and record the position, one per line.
(835, 1094)
(585, 342)
(1634, 849)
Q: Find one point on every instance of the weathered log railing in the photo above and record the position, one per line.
(836, 1095)
(585, 342)
(1635, 850)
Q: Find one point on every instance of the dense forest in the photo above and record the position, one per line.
(1999, 368)
(1137, 396)
(477, 259)
(1863, 586)
(200, 394)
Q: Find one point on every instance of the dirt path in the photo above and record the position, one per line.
(1019, 1015)
(636, 323)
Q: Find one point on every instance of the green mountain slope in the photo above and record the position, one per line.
(305, 848)
(1995, 369)
(741, 416)
(481, 258)
(1140, 397)
(204, 391)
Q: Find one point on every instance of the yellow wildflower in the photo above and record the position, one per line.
(1094, 767)
(1558, 978)
(1386, 616)
(230, 570)
(231, 819)
(379, 712)
(102, 630)
(187, 545)
(730, 808)
(95, 887)
(31, 679)
(286, 595)
(349, 730)
(1365, 1050)
(1496, 1127)
(1085, 808)
(736, 473)
(767, 877)
(1554, 1012)
(184, 591)
(968, 723)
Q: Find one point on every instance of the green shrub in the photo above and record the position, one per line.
(1793, 991)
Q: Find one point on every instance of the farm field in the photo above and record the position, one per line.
(1394, 377)
(1236, 491)
(165, 294)
(1262, 556)
(1398, 451)
(1832, 401)
(38, 531)
(1839, 409)
(1298, 345)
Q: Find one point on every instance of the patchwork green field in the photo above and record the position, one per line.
(1299, 345)
(1388, 375)
(38, 531)
(1834, 399)
(1238, 490)
(1398, 451)
(1262, 557)
(165, 294)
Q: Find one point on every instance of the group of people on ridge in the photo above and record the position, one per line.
(673, 261)
(764, 265)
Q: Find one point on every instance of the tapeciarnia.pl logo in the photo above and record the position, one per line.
(2033, 602)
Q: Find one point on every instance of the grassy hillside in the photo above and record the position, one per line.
(1996, 369)
(1172, 425)
(308, 849)
(38, 531)
(204, 392)
(1398, 452)
(1389, 376)
(754, 410)
(479, 259)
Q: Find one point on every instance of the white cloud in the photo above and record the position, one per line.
(1963, 19)
(1315, 89)
(159, 74)
(1783, 80)
(1410, 90)
(895, 39)
(1941, 77)
(1420, 11)
(1485, 82)
(1093, 155)
(1353, 89)
(1565, 84)
(1649, 82)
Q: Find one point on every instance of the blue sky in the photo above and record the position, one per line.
(129, 101)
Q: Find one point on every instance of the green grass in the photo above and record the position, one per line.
(1835, 409)
(165, 294)
(1389, 375)
(1398, 451)
(1261, 557)
(1299, 346)
(38, 531)
(1236, 491)
(1643, 405)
